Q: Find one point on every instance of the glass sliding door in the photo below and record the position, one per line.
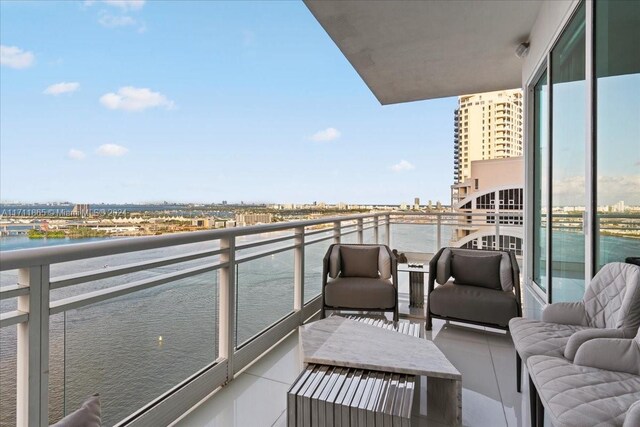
(617, 72)
(568, 194)
(541, 182)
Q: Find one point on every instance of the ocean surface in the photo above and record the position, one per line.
(131, 349)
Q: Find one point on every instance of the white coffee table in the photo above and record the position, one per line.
(341, 342)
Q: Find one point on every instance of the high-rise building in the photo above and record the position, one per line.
(487, 126)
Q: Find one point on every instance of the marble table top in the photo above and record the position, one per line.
(337, 341)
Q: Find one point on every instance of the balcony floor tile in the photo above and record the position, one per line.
(486, 359)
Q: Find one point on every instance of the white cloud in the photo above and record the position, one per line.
(112, 150)
(14, 57)
(402, 166)
(130, 98)
(60, 88)
(329, 134)
(110, 21)
(126, 4)
(76, 154)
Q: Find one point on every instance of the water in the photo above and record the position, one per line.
(133, 348)
(114, 347)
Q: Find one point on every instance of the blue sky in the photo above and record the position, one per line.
(133, 101)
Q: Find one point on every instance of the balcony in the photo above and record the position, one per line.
(171, 318)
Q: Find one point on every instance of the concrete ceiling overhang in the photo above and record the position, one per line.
(414, 50)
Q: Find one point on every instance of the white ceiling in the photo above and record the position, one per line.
(413, 50)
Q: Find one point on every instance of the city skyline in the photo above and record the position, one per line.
(220, 102)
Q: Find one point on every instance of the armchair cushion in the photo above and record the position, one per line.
(612, 299)
(334, 262)
(445, 270)
(567, 313)
(359, 262)
(360, 293)
(88, 415)
(576, 395)
(613, 354)
(384, 263)
(477, 271)
(531, 337)
(633, 416)
(473, 303)
(444, 267)
(581, 337)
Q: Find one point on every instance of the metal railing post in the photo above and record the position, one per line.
(227, 303)
(360, 233)
(32, 398)
(438, 231)
(496, 245)
(376, 229)
(298, 281)
(336, 232)
(387, 229)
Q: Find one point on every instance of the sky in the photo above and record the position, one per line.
(132, 101)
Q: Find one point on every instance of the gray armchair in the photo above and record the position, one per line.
(610, 308)
(360, 277)
(485, 289)
(601, 387)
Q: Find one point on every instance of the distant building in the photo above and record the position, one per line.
(487, 126)
(81, 210)
(203, 222)
(245, 219)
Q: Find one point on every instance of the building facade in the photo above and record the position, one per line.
(493, 195)
(487, 126)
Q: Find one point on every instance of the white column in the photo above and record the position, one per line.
(376, 229)
(32, 403)
(438, 231)
(227, 303)
(387, 229)
(359, 227)
(298, 260)
(336, 232)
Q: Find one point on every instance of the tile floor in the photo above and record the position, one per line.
(485, 357)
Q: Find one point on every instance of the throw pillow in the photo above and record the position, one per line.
(483, 271)
(88, 415)
(359, 262)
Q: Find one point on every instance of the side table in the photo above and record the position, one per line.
(416, 283)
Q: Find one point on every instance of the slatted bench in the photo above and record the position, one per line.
(347, 397)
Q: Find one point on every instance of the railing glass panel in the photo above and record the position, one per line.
(133, 348)
(8, 349)
(264, 293)
(313, 265)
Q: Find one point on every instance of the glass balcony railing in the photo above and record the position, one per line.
(154, 324)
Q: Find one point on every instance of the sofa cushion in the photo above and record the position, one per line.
(576, 395)
(473, 303)
(533, 337)
(443, 272)
(359, 261)
(360, 292)
(88, 415)
(384, 263)
(476, 271)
